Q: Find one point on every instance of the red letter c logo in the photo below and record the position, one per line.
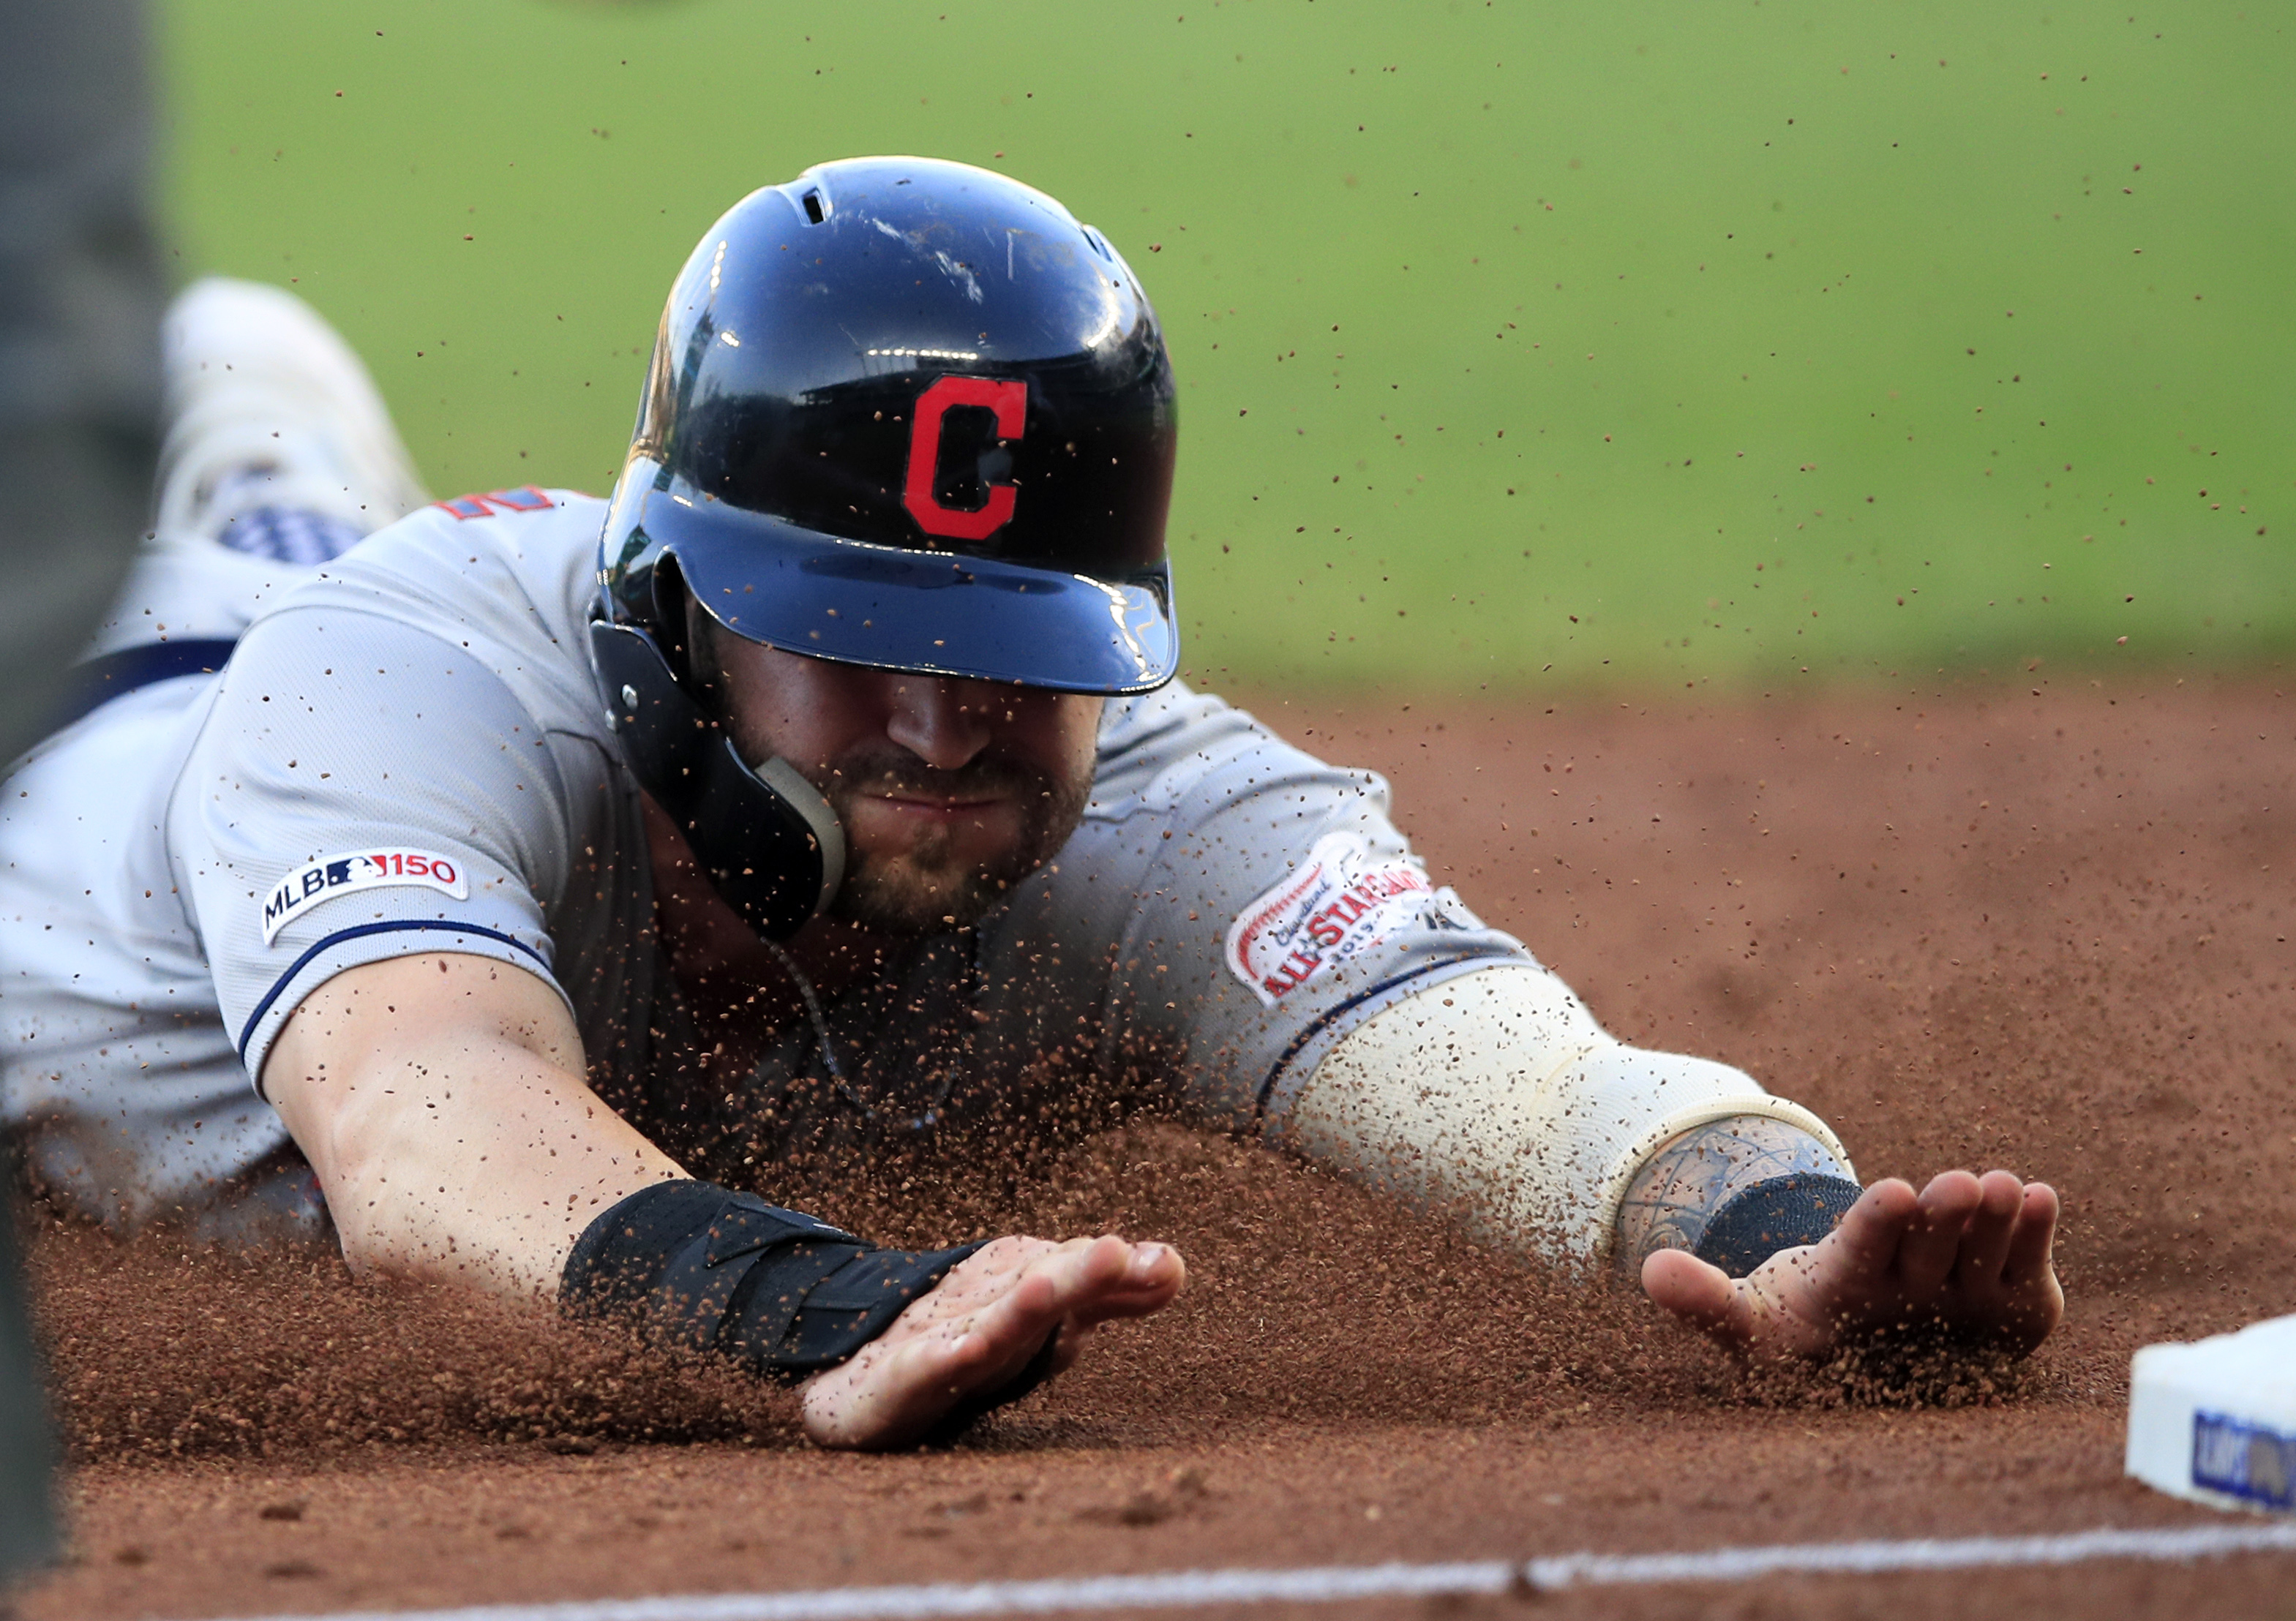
(1008, 397)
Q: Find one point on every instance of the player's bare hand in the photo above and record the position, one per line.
(979, 1328)
(1969, 1255)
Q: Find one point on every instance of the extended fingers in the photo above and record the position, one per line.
(1113, 1279)
(979, 1329)
(2035, 1301)
(1089, 1279)
(2028, 1262)
(1974, 1253)
(1868, 1238)
(1154, 1275)
(1080, 1270)
(1071, 1291)
(2008, 1290)
(1017, 1320)
(1985, 1243)
(1932, 1241)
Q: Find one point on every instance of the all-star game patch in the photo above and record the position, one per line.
(1343, 901)
(334, 875)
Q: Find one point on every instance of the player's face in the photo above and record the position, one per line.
(950, 791)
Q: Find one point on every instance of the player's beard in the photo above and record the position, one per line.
(928, 888)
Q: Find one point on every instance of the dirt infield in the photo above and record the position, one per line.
(2041, 926)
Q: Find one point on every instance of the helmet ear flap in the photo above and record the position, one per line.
(675, 632)
(765, 838)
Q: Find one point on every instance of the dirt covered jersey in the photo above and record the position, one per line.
(407, 753)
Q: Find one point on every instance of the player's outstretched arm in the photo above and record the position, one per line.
(1496, 1096)
(1967, 1254)
(440, 1101)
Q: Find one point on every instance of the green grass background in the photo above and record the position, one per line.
(1637, 343)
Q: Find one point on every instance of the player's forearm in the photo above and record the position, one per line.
(476, 1165)
(1496, 1096)
(453, 1141)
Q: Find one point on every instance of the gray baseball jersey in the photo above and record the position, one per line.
(407, 753)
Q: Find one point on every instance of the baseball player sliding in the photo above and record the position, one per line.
(549, 864)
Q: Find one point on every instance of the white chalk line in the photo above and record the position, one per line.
(1337, 1584)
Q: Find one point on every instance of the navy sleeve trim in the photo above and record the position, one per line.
(279, 985)
(98, 680)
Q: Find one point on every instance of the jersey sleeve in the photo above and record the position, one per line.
(361, 790)
(1231, 897)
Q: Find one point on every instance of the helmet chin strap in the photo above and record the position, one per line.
(768, 842)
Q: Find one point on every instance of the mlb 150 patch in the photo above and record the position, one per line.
(334, 875)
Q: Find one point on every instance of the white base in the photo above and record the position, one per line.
(2215, 1421)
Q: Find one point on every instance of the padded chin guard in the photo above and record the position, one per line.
(1782, 1213)
(695, 1265)
(770, 844)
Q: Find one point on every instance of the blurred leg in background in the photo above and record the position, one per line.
(80, 297)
